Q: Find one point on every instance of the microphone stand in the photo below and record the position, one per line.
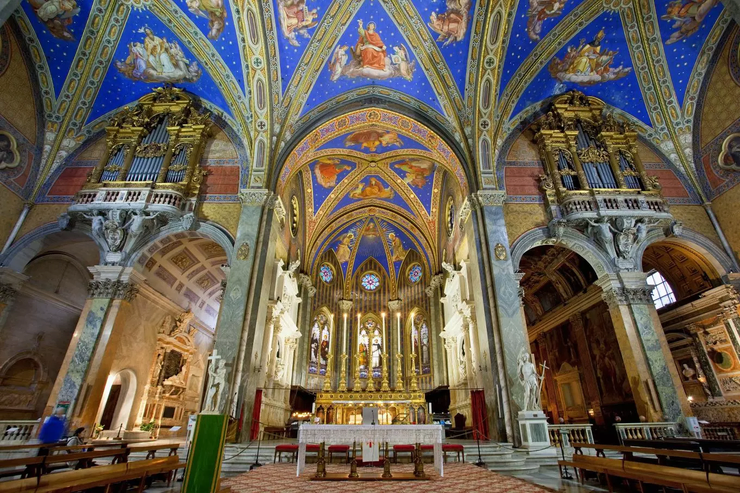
(480, 462)
(257, 459)
(564, 474)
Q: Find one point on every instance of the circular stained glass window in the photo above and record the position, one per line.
(370, 281)
(415, 273)
(326, 273)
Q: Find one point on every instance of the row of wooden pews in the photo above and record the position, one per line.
(688, 471)
(37, 472)
(138, 473)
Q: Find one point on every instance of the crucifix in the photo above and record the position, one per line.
(216, 384)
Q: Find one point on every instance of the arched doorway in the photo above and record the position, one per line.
(571, 331)
(119, 401)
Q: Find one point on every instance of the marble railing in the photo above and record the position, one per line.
(15, 432)
(646, 431)
(568, 434)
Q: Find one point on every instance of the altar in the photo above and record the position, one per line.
(377, 434)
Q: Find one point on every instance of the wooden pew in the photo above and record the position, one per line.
(694, 444)
(43, 464)
(710, 462)
(640, 472)
(151, 450)
(139, 472)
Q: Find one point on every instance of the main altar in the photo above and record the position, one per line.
(371, 434)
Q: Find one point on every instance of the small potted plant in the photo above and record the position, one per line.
(149, 427)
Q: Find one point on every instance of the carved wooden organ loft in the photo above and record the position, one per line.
(153, 150)
(592, 163)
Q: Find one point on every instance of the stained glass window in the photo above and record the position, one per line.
(420, 342)
(415, 273)
(370, 281)
(326, 273)
(319, 345)
(370, 349)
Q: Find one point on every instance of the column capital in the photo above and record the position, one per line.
(113, 282)
(394, 305)
(7, 293)
(254, 196)
(435, 282)
(345, 305)
(491, 197)
(304, 280)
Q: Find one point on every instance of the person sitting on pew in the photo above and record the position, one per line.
(73, 441)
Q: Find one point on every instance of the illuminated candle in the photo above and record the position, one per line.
(384, 335)
(344, 336)
(399, 332)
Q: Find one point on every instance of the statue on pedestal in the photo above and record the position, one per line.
(530, 380)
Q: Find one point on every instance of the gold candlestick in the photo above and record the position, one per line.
(414, 385)
(384, 383)
(343, 375)
(327, 377)
(357, 385)
(399, 372)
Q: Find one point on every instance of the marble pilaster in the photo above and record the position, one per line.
(511, 326)
(109, 286)
(665, 376)
(231, 322)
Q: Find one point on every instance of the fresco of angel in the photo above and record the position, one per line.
(57, 15)
(687, 16)
(539, 11)
(214, 11)
(295, 19)
(327, 169)
(157, 60)
(372, 138)
(587, 64)
(369, 58)
(417, 171)
(453, 23)
(373, 189)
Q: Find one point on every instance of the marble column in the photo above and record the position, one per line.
(436, 324)
(655, 385)
(512, 329)
(660, 360)
(110, 284)
(304, 325)
(231, 330)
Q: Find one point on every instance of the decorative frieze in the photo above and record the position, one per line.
(254, 196)
(110, 289)
(730, 385)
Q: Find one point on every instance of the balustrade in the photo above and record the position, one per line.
(567, 434)
(721, 432)
(646, 431)
(17, 432)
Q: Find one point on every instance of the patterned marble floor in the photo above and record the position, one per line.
(458, 478)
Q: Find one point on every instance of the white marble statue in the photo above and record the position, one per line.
(217, 385)
(530, 380)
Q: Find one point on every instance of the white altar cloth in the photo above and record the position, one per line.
(393, 434)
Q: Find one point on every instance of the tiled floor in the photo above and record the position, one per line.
(549, 477)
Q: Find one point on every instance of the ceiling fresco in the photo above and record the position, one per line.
(148, 55)
(306, 80)
(59, 27)
(387, 62)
